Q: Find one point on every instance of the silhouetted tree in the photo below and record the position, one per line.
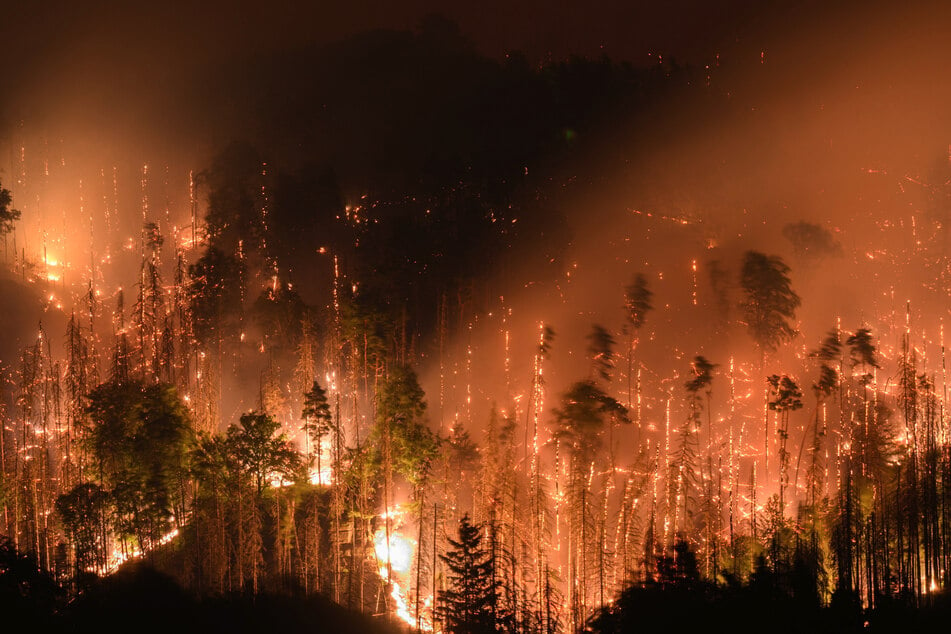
(811, 241)
(637, 303)
(318, 421)
(580, 420)
(601, 353)
(770, 302)
(215, 295)
(471, 603)
(8, 215)
(29, 596)
(784, 397)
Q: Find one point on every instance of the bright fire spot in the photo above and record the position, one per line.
(324, 476)
(278, 481)
(117, 558)
(399, 553)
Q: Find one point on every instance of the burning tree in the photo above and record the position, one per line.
(581, 418)
(405, 446)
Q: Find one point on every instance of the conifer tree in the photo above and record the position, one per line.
(784, 397)
(318, 421)
(637, 303)
(770, 302)
(471, 603)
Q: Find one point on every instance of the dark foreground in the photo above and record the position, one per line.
(140, 599)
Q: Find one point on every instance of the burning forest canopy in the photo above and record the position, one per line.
(641, 323)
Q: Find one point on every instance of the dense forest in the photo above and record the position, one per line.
(351, 371)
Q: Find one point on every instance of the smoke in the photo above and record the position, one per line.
(833, 117)
(836, 123)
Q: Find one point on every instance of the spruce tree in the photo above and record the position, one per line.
(471, 603)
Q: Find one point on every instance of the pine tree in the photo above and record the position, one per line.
(824, 388)
(318, 422)
(707, 516)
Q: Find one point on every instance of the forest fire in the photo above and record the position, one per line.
(121, 556)
(554, 338)
(395, 558)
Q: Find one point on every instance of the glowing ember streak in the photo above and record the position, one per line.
(693, 268)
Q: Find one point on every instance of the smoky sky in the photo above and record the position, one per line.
(95, 55)
(41, 36)
(805, 98)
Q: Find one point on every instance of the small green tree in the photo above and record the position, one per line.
(406, 446)
(261, 450)
(84, 511)
(318, 421)
(401, 428)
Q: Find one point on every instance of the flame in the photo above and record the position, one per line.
(324, 476)
(397, 552)
(117, 557)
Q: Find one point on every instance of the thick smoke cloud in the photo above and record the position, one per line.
(796, 114)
